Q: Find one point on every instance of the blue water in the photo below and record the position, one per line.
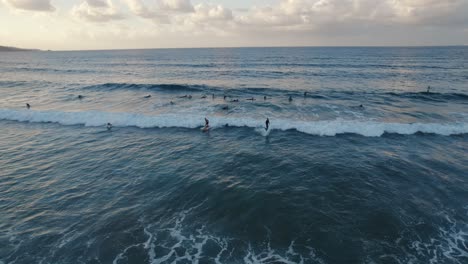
(329, 182)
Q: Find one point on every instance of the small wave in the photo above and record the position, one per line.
(53, 70)
(431, 96)
(10, 84)
(322, 128)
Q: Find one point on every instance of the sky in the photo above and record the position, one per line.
(129, 24)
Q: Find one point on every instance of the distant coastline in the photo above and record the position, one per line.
(5, 48)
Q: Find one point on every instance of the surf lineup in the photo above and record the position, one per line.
(207, 127)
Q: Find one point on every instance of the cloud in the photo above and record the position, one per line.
(210, 13)
(314, 14)
(163, 12)
(97, 3)
(97, 11)
(162, 7)
(138, 8)
(319, 17)
(31, 5)
(181, 6)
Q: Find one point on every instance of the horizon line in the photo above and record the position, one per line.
(241, 47)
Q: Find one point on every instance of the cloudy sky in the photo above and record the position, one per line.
(119, 24)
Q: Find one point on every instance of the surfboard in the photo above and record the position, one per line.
(204, 129)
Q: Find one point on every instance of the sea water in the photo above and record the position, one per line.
(363, 165)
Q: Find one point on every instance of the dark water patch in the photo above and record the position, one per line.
(162, 87)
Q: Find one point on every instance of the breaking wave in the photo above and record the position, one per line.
(322, 127)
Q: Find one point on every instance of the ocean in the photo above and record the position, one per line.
(360, 164)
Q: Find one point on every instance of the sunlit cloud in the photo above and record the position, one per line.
(31, 5)
(285, 22)
(97, 11)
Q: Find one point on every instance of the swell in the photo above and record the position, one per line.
(265, 91)
(135, 86)
(51, 70)
(322, 127)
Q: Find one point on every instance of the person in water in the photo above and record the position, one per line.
(109, 126)
(428, 89)
(203, 97)
(305, 94)
(290, 98)
(28, 106)
(251, 99)
(207, 123)
(80, 97)
(148, 96)
(267, 124)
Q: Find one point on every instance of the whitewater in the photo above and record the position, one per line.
(321, 128)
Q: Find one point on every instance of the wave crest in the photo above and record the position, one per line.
(322, 127)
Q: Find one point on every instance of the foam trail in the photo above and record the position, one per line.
(322, 128)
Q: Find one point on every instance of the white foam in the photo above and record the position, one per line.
(369, 128)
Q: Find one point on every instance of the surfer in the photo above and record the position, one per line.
(28, 106)
(264, 97)
(109, 126)
(80, 96)
(290, 98)
(235, 100)
(148, 96)
(172, 103)
(251, 99)
(428, 89)
(207, 124)
(212, 96)
(224, 97)
(203, 97)
(305, 94)
(267, 124)
(225, 107)
(361, 106)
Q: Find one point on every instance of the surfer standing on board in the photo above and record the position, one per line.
(207, 123)
(267, 124)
